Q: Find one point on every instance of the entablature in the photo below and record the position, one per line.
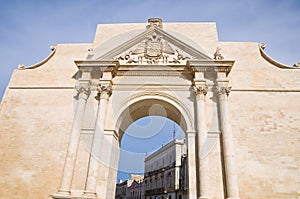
(189, 68)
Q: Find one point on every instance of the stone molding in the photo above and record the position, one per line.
(187, 68)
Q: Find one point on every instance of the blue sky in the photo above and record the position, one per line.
(29, 28)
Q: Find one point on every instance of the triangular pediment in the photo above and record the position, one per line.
(153, 46)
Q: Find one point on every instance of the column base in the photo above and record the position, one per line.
(61, 195)
(64, 192)
(204, 197)
(233, 198)
(90, 194)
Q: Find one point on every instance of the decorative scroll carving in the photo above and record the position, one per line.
(223, 90)
(22, 66)
(153, 50)
(217, 54)
(262, 46)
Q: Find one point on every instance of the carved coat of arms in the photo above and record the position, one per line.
(153, 50)
(154, 47)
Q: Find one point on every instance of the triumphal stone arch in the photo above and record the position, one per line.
(62, 120)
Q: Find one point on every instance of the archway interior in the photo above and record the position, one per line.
(146, 122)
(143, 137)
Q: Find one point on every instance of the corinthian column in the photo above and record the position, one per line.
(105, 91)
(200, 89)
(83, 90)
(227, 140)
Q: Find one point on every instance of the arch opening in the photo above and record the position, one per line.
(162, 157)
(141, 139)
(150, 107)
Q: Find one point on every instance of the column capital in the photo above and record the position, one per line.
(223, 90)
(104, 89)
(200, 88)
(83, 89)
(223, 87)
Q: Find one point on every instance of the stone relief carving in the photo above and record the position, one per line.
(153, 50)
(218, 55)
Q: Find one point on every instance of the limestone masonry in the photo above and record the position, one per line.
(61, 120)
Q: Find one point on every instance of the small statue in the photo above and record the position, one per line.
(217, 54)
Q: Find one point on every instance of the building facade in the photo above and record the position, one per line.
(130, 189)
(62, 120)
(121, 190)
(165, 172)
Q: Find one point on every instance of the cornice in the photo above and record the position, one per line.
(189, 68)
(97, 65)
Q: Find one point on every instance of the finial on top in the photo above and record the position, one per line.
(155, 22)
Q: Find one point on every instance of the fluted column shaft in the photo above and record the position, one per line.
(83, 93)
(200, 89)
(91, 183)
(192, 179)
(227, 141)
